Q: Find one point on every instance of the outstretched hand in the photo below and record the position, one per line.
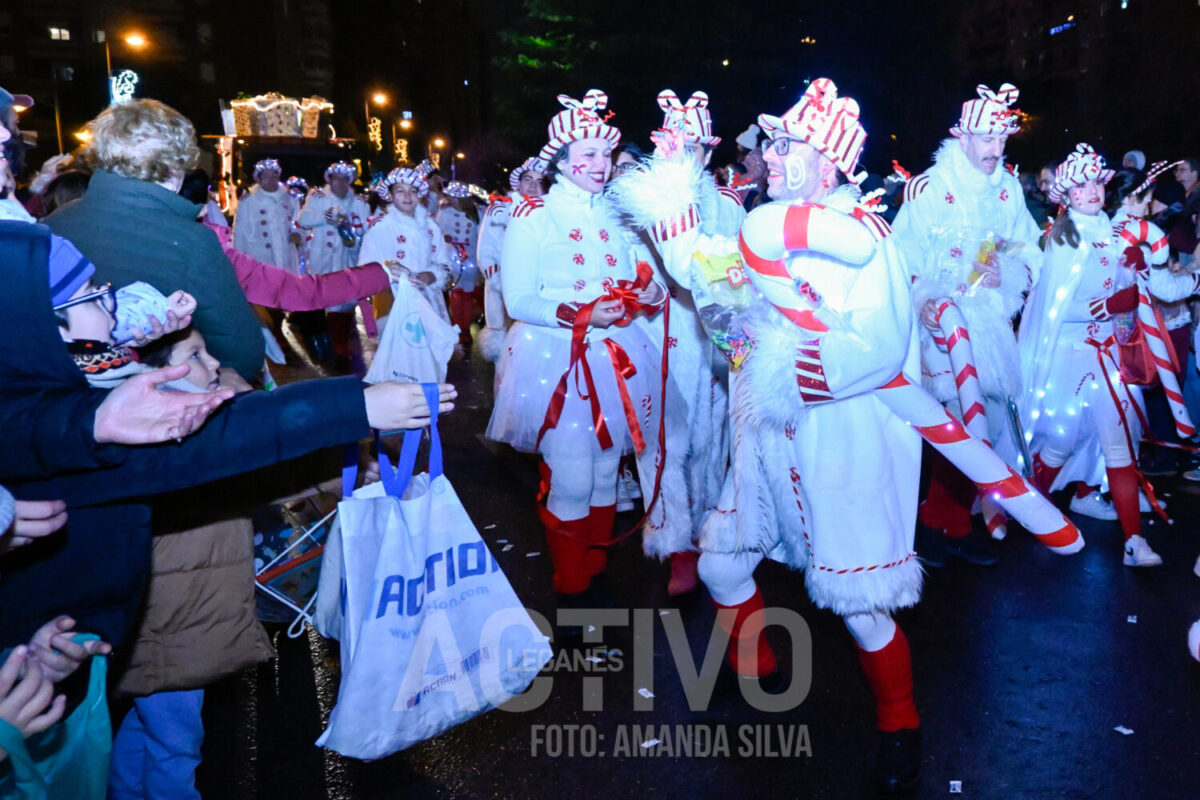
(175, 322)
(392, 405)
(27, 700)
(138, 412)
(33, 519)
(55, 650)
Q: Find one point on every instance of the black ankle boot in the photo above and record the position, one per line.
(899, 760)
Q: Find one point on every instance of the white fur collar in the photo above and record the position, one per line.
(961, 173)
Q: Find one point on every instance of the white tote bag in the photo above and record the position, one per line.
(416, 344)
(432, 632)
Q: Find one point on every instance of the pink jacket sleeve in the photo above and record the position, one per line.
(273, 287)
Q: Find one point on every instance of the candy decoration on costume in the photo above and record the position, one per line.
(1156, 169)
(1137, 232)
(956, 341)
(1156, 337)
(766, 240)
(693, 119)
(808, 226)
(827, 122)
(580, 120)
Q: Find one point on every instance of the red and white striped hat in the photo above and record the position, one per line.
(827, 122)
(1081, 166)
(693, 118)
(580, 120)
(991, 112)
(534, 165)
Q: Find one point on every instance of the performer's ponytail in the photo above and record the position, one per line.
(1063, 231)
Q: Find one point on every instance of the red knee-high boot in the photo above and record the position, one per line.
(600, 526)
(1044, 474)
(747, 660)
(947, 507)
(889, 672)
(566, 541)
(1123, 484)
(685, 573)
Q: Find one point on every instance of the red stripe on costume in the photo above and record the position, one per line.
(967, 373)
(972, 412)
(795, 228)
(776, 269)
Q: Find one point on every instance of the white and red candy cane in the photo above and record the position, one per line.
(765, 241)
(1156, 338)
(956, 341)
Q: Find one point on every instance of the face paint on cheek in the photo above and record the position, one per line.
(577, 169)
(794, 173)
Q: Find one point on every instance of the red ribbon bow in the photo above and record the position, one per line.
(623, 368)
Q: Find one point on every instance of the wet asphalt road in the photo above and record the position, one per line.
(1023, 670)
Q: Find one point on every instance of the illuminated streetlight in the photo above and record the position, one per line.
(725, 63)
(460, 155)
(379, 99)
(439, 143)
(136, 40)
(405, 124)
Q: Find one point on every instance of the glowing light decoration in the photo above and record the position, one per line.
(121, 85)
(402, 149)
(375, 133)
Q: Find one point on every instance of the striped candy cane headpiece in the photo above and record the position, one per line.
(1083, 165)
(267, 165)
(457, 190)
(342, 168)
(581, 119)
(1156, 169)
(414, 177)
(297, 186)
(827, 122)
(692, 118)
(991, 112)
(534, 165)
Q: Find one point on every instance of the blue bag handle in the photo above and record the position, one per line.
(395, 481)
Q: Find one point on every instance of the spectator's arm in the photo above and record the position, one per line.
(230, 329)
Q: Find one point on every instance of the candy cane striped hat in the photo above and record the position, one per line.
(693, 118)
(1083, 165)
(534, 165)
(456, 190)
(827, 122)
(580, 120)
(989, 113)
(413, 177)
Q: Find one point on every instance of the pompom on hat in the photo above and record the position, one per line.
(534, 165)
(991, 112)
(580, 120)
(1083, 165)
(693, 118)
(828, 123)
(342, 168)
(267, 165)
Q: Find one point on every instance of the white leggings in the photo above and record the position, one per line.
(1062, 434)
(729, 578)
(581, 475)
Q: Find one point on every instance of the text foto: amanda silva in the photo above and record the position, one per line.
(672, 741)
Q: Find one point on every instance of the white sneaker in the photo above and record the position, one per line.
(1139, 554)
(1095, 506)
(1194, 640)
(1144, 503)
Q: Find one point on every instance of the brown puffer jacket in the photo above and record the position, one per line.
(199, 623)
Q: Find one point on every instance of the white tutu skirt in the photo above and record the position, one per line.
(534, 359)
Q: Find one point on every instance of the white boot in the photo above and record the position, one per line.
(1095, 506)
(1139, 554)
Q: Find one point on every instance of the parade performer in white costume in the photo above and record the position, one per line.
(696, 366)
(461, 230)
(584, 380)
(334, 221)
(1076, 407)
(809, 433)
(263, 226)
(965, 235)
(526, 181)
(407, 234)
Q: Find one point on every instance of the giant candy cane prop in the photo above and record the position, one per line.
(765, 241)
(956, 341)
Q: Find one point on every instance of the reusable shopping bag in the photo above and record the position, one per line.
(416, 344)
(432, 632)
(68, 759)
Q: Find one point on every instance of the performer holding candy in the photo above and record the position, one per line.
(1076, 407)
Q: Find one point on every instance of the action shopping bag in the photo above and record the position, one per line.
(68, 759)
(416, 344)
(432, 633)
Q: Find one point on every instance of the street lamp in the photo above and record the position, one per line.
(378, 98)
(135, 40)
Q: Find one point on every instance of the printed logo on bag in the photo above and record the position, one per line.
(414, 330)
(455, 567)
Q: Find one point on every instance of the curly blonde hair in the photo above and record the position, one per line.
(142, 139)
